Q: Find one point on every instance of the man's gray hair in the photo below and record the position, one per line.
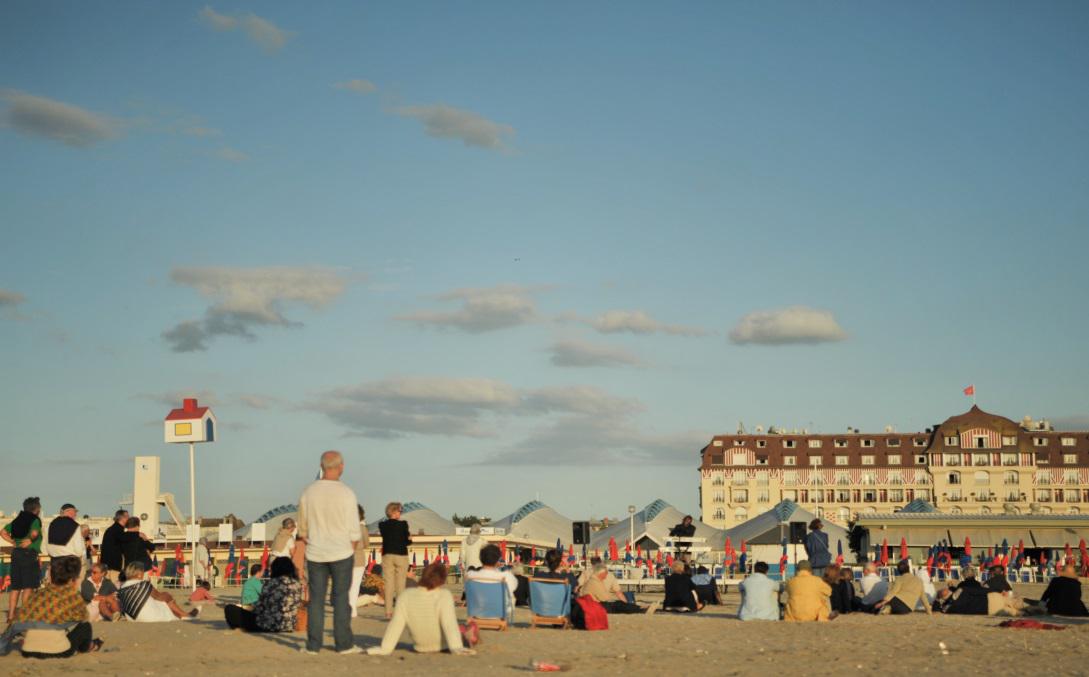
(871, 566)
(475, 529)
(134, 570)
(599, 567)
(288, 523)
(331, 459)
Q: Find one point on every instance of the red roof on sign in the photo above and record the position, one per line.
(189, 410)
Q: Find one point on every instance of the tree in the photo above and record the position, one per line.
(469, 520)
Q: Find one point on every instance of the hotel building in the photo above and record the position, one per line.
(973, 463)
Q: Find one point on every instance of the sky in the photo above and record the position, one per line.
(498, 252)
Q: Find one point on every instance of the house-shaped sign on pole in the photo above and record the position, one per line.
(191, 424)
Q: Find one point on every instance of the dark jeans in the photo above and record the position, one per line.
(897, 607)
(320, 574)
(619, 607)
(237, 617)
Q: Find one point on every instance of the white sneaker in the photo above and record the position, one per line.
(350, 652)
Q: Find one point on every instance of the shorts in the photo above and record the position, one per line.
(26, 571)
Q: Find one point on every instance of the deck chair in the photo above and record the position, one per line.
(549, 602)
(488, 603)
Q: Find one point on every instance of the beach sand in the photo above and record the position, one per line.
(711, 642)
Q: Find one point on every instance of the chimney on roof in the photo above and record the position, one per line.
(189, 404)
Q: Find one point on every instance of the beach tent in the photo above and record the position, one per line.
(769, 529)
(536, 521)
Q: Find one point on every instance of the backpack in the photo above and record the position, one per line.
(588, 614)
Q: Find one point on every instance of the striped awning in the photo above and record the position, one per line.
(1057, 537)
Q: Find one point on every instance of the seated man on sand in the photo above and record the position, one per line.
(489, 570)
(1063, 594)
(905, 593)
(141, 602)
(807, 595)
(759, 596)
(100, 594)
(706, 587)
(680, 591)
(277, 607)
(614, 601)
(997, 581)
(54, 607)
(427, 610)
(251, 587)
(874, 588)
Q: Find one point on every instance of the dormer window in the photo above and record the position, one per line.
(893, 442)
(789, 444)
(868, 444)
(841, 444)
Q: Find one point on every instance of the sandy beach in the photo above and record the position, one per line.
(711, 642)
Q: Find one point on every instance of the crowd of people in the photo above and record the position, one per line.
(322, 556)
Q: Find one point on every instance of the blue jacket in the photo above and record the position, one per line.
(816, 548)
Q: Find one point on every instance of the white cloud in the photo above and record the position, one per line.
(634, 322)
(231, 154)
(265, 34)
(10, 298)
(56, 120)
(173, 398)
(576, 353)
(482, 310)
(447, 122)
(247, 298)
(588, 400)
(357, 86)
(797, 324)
(417, 405)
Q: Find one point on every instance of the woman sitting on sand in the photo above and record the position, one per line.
(428, 611)
(277, 609)
(141, 602)
(680, 591)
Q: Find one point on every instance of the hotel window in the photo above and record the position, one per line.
(893, 442)
(789, 444)
(717, 443)
(718, 481)
(840, 444)
(1043, 495)
(953, 495)
(982, 477)
(740, 479)
(1039, 441)
(741, 458)
(923, 494)
(951, 459)
(843, 478)
(740, 514)
(762, 478)
(720, 497)
(815, 461)
(790, 477)
(1070, 459)
(1068, 441)
(762, 497)
(869, 477)
(953, 478)
(790, 495)
(919, 441)
(1074, 511)
(1042, 477)
(1042, 459)
(761, 460)
(895, 478)
(920, 459)
(868, 444)
(981, 459)
(844, 515)
(841, 460)
(1011, 477)
(739, 443)
(741, 495)
(894, 459)
(869, 496)
(720, 514)
(790, 460)
(867, 460)
(1070, 495)
(1070, 477)
(1013, 495)
(1009, 440)
(843, 496)
(814, 444)
(896, 495)
(760, 444)
(1009, 459)
(952, 441)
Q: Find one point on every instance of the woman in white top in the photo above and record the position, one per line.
(470, 549)
(428, 611)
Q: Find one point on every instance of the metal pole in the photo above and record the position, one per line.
(193, 515)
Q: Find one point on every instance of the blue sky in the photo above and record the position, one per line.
(492, 252)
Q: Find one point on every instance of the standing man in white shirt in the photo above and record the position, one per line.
(329, 527)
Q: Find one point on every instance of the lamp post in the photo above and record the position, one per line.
(631, 525)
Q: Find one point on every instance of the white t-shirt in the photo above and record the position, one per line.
(329, 521)
(874, 589)
(494, 574)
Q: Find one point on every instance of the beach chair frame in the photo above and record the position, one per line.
(564, 620)
(490, 623)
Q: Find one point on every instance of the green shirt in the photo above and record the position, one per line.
(36, 544)
(251, 590)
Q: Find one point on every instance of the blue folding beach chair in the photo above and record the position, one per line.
(549, 602)
(488, 603)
